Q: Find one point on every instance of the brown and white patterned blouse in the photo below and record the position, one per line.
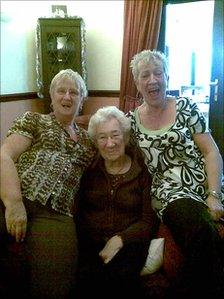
(53, 165)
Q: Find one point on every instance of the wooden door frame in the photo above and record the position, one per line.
(216, 108)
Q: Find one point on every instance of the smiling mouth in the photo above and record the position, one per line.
(111, 152)
(66, 106)
(154, 91)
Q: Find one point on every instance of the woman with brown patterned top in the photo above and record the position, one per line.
(42, 160)
(115, 220)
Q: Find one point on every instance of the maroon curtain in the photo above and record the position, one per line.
(142, 20)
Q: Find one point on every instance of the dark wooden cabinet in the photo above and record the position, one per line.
(60, 44)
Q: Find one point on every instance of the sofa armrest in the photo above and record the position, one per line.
(83, 120)
(173, 257)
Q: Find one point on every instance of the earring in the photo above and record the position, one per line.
(139, 98)
(80, 108)
(51, 106)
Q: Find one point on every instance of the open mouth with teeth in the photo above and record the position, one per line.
(66, 106)
(154, 91)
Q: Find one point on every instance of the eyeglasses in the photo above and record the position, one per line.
(71, 92)
(104, 138)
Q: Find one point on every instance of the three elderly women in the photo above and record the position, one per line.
(42, 162)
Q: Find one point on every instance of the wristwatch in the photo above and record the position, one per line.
(216, 194)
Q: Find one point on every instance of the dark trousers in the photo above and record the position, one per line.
(195, 232)
(47, 258)
(13, 270)
(119, 278)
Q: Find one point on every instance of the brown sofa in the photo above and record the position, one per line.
(91, 105)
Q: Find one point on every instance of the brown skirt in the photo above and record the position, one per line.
(50, 251)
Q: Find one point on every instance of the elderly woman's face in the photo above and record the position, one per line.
(152, 82)
(110, 140)
(66, 98)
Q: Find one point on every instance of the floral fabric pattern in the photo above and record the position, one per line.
(173, 159)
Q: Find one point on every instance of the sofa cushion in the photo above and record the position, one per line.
(154, 259)
(172, 258)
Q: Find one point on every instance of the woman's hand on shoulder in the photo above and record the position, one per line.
(111, 248)
(215, 207)
(16, 220)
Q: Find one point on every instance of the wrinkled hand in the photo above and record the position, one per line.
(215, 207)
(111, 248)
(16, 220)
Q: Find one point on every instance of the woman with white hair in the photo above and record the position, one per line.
(115, 221)
(186, 168)
(42, 160)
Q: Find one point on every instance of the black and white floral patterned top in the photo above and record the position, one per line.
(52, 166)
(172, 157)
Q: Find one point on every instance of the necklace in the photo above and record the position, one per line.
(122, 169)
(69, 128)
(72, 132)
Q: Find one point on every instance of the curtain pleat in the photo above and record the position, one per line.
(142, 19)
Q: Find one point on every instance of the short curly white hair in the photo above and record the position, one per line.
(104, 114)
(72, 75)
(147, 56)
